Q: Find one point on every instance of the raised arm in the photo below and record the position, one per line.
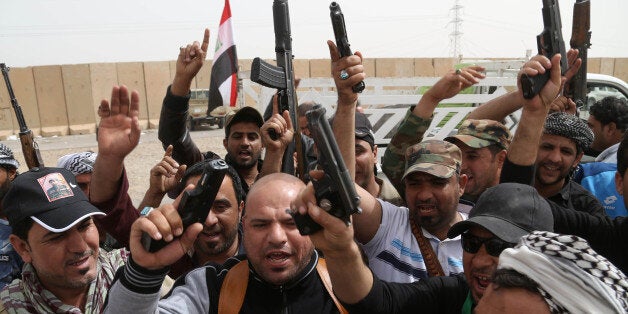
(118, 135)
(164, 176)
(277, 134)
(419, 118)
(344, 120)
(174, 112)
(525, 143)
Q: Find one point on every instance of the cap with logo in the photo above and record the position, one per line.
(49, 196)
(509, 211)
(438, 158)
(482, 133)
(244, 114)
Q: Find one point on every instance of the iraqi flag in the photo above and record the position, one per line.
(223, 87)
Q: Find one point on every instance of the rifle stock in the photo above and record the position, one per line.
(281, 77)
(581, 40)
(549, 43)
(30, 149)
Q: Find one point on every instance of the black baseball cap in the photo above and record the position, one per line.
(363, 128)
(244, 114)
(509, 211)
(49, 196)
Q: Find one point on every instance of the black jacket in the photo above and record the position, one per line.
(444, 294)
(135, 291)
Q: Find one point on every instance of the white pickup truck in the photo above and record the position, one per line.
(386, 100)
(601, 86)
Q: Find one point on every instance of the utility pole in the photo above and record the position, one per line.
(455, 37)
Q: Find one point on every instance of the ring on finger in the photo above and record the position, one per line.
(458, 71)
(344, 75)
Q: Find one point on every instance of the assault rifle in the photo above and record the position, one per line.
(30, 149)
(335, 192)
(342, 42)
(281, 77)
(581, 40)
(549, 43)
(195, 204)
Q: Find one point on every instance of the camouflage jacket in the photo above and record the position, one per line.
(410, 132)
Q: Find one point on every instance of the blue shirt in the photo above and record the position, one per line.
(10, 262)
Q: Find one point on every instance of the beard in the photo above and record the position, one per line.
(218, 248)
(4, 188)
(240, 165)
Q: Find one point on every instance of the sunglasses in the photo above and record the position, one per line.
(494, 246)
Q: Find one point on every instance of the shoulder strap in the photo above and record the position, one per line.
(321, 268)
(431, 260)
(233, 289)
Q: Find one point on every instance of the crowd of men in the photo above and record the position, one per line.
(483, 221)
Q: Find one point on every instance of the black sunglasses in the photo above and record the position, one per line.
(494, 246)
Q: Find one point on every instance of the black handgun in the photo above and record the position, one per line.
(342, 42)
(335, 192)
(549, 43)
(196, 203)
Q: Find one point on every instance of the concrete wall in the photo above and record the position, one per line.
(64, 99)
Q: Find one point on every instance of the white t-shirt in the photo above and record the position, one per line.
(394, 253)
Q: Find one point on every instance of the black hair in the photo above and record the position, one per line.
(21, 228)
(622, 155)
(495, 149)
(611, 109)
(508, 278)
(197, 169)
(305, 107)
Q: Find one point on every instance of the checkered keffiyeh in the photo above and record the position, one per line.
(78, 163)
(569, 126)
(6, 157)
(572, 277)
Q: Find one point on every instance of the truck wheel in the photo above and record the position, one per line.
(221, 122)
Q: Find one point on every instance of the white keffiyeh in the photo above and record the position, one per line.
(571, 276)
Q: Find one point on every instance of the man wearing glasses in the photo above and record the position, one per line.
(501, 216)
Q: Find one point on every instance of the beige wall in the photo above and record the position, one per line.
(64, 99)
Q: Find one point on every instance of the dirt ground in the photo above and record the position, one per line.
(138, 164)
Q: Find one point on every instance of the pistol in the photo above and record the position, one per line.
(335, 192)
(549, 43)
(196, 203)
(342, 42)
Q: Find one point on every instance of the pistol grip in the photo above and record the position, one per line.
(358, 88)
(304, 223)
(532, 85)
(152, 245)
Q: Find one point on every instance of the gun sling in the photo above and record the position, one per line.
(234, 287)
(431, 260)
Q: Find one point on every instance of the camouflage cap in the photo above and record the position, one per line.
(482, 133)
(438, 158)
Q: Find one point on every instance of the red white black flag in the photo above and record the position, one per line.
(223, 87)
